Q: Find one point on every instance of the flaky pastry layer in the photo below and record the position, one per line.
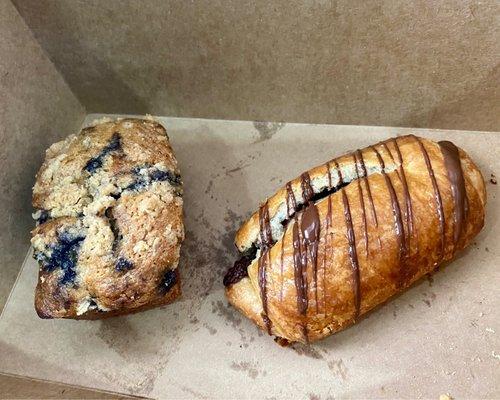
(347, 235)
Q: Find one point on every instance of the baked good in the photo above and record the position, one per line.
(346, 236)
(109, 222)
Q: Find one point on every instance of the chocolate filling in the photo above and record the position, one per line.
(240, 267)
(314, 199)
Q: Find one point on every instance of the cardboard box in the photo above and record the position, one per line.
(419, 65)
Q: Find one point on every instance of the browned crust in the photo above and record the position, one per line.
(382, 275)
(168, 298)
(119, 293)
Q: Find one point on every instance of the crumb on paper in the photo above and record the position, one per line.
(493, 179)
(481, 314)
(445, 396)
(490, 330)
(495, 355)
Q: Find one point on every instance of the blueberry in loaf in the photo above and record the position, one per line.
(109, 222)
(347, 235)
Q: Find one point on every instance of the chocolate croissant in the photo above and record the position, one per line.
(345, 236)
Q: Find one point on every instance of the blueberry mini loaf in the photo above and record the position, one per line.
(109, 222)
(347, 235)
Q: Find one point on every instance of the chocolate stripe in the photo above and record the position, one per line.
(457, 184)
(437, 194)
(353, 255)
(264, 259)
(396, 210)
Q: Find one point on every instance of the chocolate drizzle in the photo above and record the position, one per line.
(291, 207)
(291, 203)
(310, 232)
(362, 202)
(457, 183)
(384, 145)
(329, 211)
(353, 255)
(300, 265)
(306, 230)
(266, 236)
(396, 210)
(406, 193)
(305, 184)
(437, 194)
(266, 239)
(339, 174)
(329, 222)
(305, 234)
(281, 268)
(359, 157)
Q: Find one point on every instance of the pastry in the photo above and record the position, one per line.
(109, 222)
(345, 236)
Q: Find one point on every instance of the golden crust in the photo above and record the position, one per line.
(331, 302)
